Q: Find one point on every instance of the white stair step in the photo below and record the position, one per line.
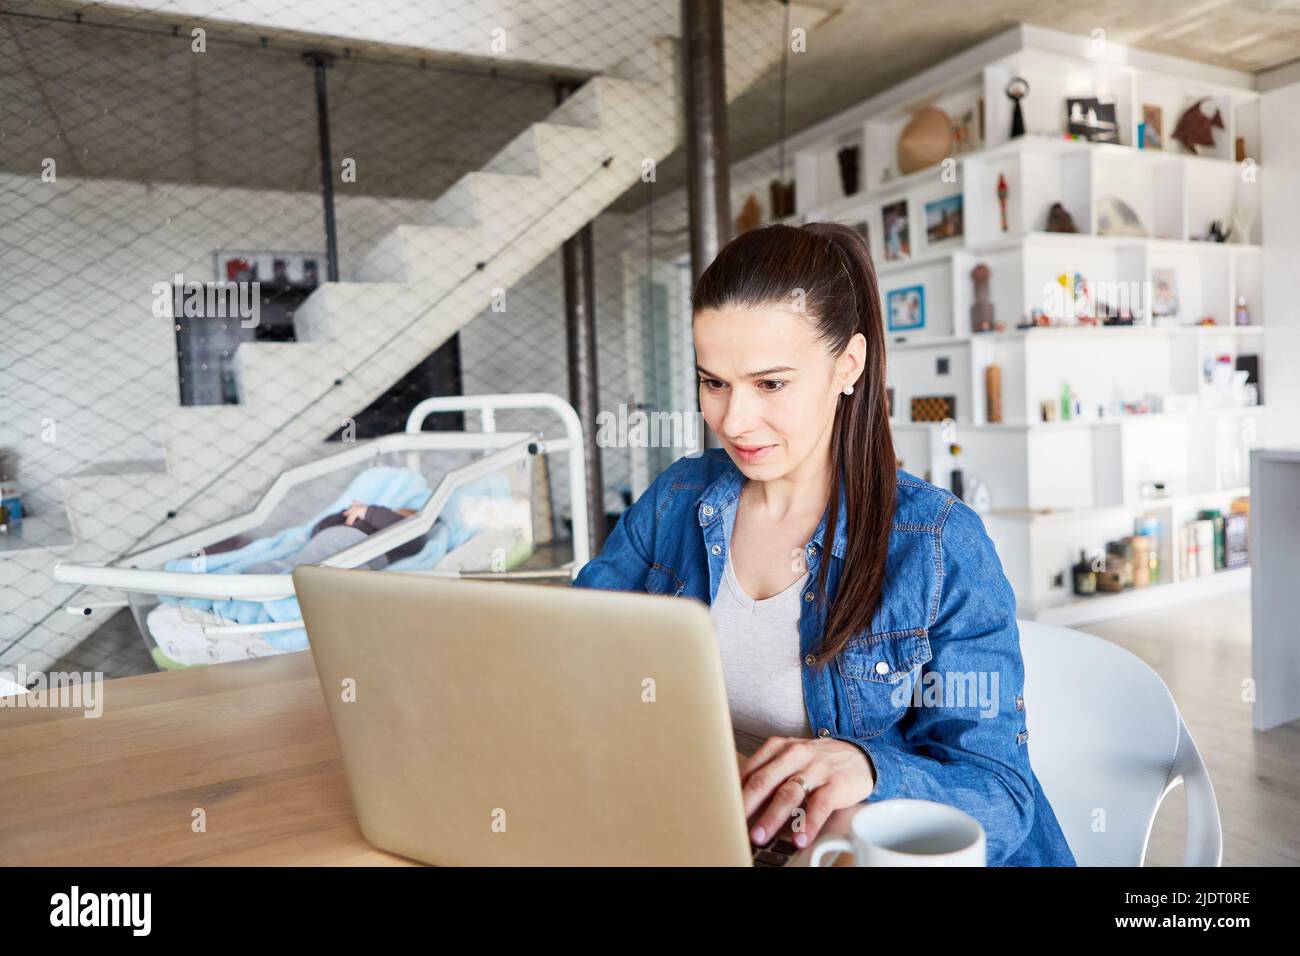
(580, 109)
(656, 62)
(479, 198)
(635, 115)
(544, 148)
(113, 510)
(361, 301)
(409, 252)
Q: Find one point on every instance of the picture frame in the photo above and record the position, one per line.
(905, 309)
(895, 237)
(1153, 130)
(943, 219)
(1092, 119)
(1164, 294)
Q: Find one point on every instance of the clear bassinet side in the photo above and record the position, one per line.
(485, 525)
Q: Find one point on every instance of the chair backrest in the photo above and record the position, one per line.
(1107, 743)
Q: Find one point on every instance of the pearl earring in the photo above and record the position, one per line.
(848, 389)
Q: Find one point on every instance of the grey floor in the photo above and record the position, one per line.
(1201, 650)
(114, 649)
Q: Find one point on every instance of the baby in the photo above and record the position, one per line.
(341, 530)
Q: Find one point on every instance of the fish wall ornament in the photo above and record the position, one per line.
(1196, 128)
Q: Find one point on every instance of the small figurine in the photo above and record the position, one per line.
(981, 310)
(1058, 220)
(1002, 199)
(955, 484)
(1017, 88)
(1243, 220)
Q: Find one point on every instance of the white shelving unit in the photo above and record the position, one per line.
(1059, 487)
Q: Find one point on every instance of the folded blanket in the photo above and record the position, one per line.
(461, 518)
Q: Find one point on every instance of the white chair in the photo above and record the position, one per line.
(1107, 743)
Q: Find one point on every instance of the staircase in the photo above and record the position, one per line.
(416, 288)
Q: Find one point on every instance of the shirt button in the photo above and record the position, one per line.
(823, 732)
(812, 549)
(810, 660)
(882, 667)
(708, 510)
(716, 549)
(807, 595)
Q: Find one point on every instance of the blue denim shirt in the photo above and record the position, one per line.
(946, 622)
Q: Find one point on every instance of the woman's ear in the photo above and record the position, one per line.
(852, 361)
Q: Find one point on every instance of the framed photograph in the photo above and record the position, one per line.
(943, 219)
(897, 244)
(1153, 130)
(1164, 294)
(1093, 119)
(905, 309)
(302, 270)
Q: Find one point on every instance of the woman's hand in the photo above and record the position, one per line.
(837, 773)
(355, 513)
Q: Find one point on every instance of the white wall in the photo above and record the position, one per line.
(1280, 182)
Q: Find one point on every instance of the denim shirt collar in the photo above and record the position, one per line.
(720, 498)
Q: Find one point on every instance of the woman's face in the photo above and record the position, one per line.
(768, 387)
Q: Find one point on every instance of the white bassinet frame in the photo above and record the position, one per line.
(134, 574)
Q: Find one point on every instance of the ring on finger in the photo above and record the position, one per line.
(807, 790)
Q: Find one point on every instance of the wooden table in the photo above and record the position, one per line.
(249, 743)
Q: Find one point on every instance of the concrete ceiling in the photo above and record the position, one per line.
(130, 101)
(135, 104)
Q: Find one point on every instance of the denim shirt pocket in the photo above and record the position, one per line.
(661, 579)
(880, 672)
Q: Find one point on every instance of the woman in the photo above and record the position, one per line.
(867, 631)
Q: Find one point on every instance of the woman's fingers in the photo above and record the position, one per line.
(764, 754)
(817, 810)
(791, 758)
(788, 797)
(778, 811)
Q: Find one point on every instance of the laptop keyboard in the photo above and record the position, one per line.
(776, 852)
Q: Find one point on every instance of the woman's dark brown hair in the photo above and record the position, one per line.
(826, 269)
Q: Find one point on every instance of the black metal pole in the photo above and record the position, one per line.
(708, 171)
(321, 62)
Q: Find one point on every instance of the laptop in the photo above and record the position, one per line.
(493, 723)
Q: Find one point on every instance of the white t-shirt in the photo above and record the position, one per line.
(759, 645)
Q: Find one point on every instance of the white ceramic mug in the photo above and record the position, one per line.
(908, 833)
